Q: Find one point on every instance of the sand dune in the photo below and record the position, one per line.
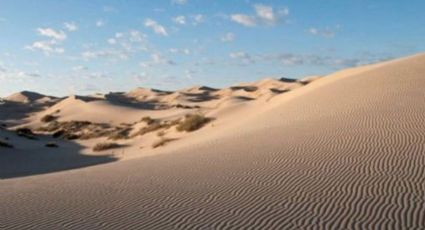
(344, 152)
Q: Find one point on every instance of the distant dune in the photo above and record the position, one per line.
(344, 151)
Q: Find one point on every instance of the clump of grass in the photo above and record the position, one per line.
(52, 145)
(192, 122)
(27, 133)
(48, 118)
(161, 142)
(105, 146)
(5, 144)
(71, 130)
(150, 128)
(120, 133)
(148, 120)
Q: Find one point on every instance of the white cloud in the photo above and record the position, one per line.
(51, 33)
(244, 57)
(79, 68)
(157, 28)
(198, 19)
(179, 2)
(326, 32)
(243, 19)
(263, 14)
(100, 23)
(47, 47)
(112, 54)
(157, 59)
(179, 51)
(228, 37)
(70, 26)
(180, 20)
(123, 46)
(112, 41)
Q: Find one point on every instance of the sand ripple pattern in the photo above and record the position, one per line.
(321, 161)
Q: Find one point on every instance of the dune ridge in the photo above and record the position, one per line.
(344, 152)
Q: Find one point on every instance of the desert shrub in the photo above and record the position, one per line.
(51, 145)
(148, 120)
(161, 142)
(105, 146)
(77, 129)
(192, 122)
(120, 133)
(5, 144)
(48, 118)
(150, 128)
(26, 132)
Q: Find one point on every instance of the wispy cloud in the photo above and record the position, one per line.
(197, 19)
(50, 46)
(243, 19)
(70, 26)
(180, 20)
(179, 51)
(156, 27)
(157, 59)
(47, 47)
(179, 2)
(99, 23)
(264, 14)
(121, 47)
(242, 56)
(51, 33)
(327, 32)
(228, 37)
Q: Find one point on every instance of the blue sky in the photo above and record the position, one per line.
(81, 47)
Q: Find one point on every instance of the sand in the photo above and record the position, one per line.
(346, 151)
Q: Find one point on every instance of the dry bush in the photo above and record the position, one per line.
(5, 144)
(48, 118)
(71, 130)
(192, 122)
(105, 146)
(120, 133)
(161, 142)
(148, 120)
(150, 128)
(27, 133)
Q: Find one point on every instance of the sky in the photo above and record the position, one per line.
(83, 47)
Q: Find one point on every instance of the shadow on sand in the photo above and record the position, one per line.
(32, 157)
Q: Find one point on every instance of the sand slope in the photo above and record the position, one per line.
(345, 152)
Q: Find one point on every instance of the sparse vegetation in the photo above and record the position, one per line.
(148, 120)
(48, 118)
(77, 129)
(192, 122)
(150, 128)
(156, 125)
(5, 144)
(27, 133)
(52, 145)
(120, 133)
(105, 146)
(161, 142)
